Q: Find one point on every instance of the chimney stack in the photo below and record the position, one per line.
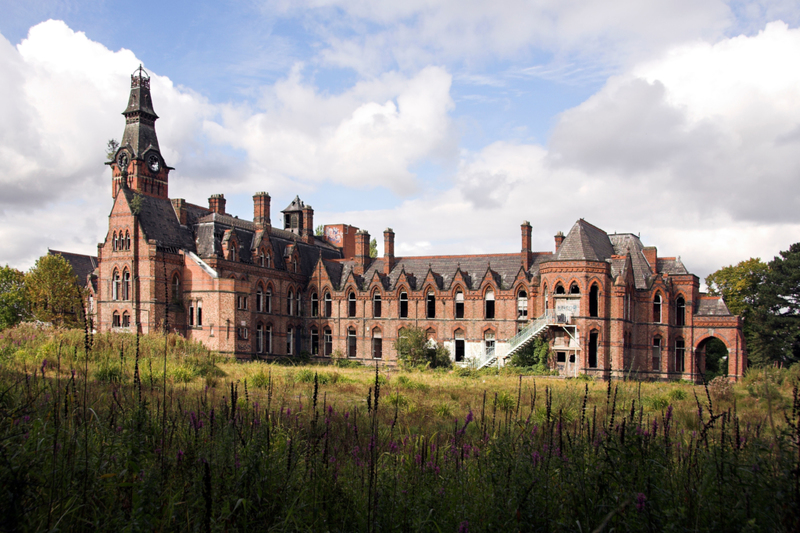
(526, 253)
(261, 202)
(388, 250)
(362, 252)
(559, 239)
(217, 203)
(651, 254)
(307, 230)
(179, 205)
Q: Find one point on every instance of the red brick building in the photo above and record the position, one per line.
(607, 303)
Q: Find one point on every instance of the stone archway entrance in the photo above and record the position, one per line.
(711, 357)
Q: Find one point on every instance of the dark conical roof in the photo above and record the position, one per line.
(585, 242)
(296, 205)
(140, 124)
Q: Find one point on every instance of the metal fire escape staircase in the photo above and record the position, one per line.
(521, 339)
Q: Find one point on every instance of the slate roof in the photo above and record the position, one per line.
(628, 243)
(211, 228)
(82, 265)
(712, 306)
(502, 269)
(584, 242)
(159, 222)
(296, 205)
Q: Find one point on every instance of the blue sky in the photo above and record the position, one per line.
(450, 121)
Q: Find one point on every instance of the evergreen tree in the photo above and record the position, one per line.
(778, 320)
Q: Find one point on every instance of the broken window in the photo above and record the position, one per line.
(126, 285)
(522, 304)
(680, 354)
(657, 308)
(593, 349)
(574, 289)
(126, 320)
(403, 304)
(299, 307)
(351, 342)
(314, 305)
(115, 285)
(260, 338)
(328, 305)
(560, 289)
(594, 301)
(459, 345)
(376, 304)
(431, 304)
(115, 319)
(268, 300)
(657, 354)
(351, 304)
(489, 304)
(488, 339)
(377, 344)
(459, 304)
(314, 341)
(289, 340)
(680, 311)
(328, 340)
(290, 303)
(199, 313)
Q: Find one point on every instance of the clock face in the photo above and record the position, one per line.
(153, 163)
(122, 161)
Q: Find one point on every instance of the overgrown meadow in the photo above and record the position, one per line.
(115, 432)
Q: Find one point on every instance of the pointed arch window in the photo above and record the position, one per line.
(488, 302)
(351, 342)
(290, 303)
(657, 308)
(115, 285)
(289, 340)
(114, 243)
(376, 304)
(460, 347)
(260, 338)
(656, 354)
(199, 313)
(299, 304)
(314, 337)
(594, 301)
(560, 289)
(351, 304)
(314, 304)
(459, 311)
(126, 285)
(522, 304)
(377, 344)
(593, 336)
(268, 300)
(126, 319)
(175, 297)
(574, 288)
(488, 341)
(403, 304)
(680, 355)
(115, 322)
(680, 311)
(430, 304)
(328, 305)
(127, 240)
(327, 337)
(260, 298)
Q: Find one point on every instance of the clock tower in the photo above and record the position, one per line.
(138, 163)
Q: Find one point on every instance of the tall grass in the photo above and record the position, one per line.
(270, 448)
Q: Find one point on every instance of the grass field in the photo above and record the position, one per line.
(92, 436)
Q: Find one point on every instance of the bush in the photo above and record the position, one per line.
(414, 350)
(535, 356)
(720, 388)
(397, 399)
(410, 384)
(677, 394)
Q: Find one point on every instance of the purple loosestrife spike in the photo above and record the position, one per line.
(640, 501)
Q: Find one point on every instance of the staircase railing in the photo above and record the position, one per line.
(529, 332)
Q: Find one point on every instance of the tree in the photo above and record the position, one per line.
(53, 292)
(739, 285)
(534, 356)
(13, 300)
(111, 149)
(373, 248)
(319, 231)
(778, 310)
(742, 286)
(415, 350)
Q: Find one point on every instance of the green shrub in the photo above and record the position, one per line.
(108, 372)
(183, 374)
(506, 402)
(656, 403)
(397, 399)
(444, 410)
(535, 356)
(677, 394)
(411, 384)
(414, 350)
(260, 380)
(304, 375)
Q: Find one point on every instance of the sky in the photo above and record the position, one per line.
(450, 121)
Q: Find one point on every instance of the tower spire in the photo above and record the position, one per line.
(139, 153)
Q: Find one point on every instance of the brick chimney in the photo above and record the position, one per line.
(179, 205)
(526, 253)
(559, 239)
(388, 250)
(362, 258)
(307, 231)
(651, 254)
(261, 202)
(217, 203)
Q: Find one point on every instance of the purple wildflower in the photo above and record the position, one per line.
(463, 527)
(640, 501)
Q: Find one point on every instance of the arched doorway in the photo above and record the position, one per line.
(711, 357)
